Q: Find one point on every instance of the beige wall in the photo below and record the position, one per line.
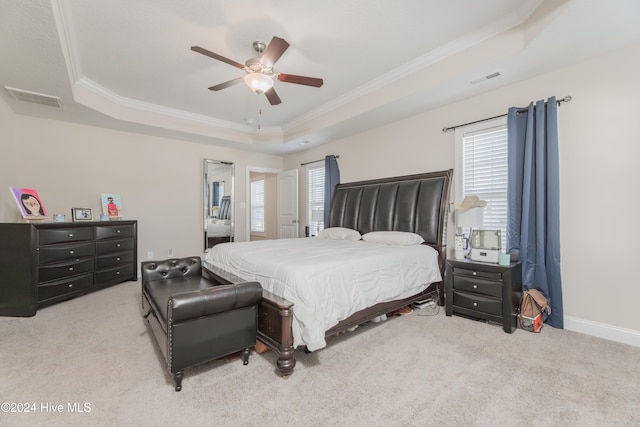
(160, 180)
(7, 163)
(599, 148)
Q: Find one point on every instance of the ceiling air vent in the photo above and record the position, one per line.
(34, 97)
(484, 78)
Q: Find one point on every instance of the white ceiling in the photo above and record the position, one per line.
(127, 64)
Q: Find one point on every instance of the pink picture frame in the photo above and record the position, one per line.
(29, 203)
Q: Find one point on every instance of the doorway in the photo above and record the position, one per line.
(279, 209)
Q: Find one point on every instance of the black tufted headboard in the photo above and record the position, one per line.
(225, 208)
(414, 203)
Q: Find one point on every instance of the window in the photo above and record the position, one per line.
(481, 170)
(257, 206)
(315, 195)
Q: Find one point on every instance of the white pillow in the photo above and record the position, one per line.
(339, 233)
(393, 238)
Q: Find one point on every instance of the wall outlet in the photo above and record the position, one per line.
(149, 255)
(170, 252)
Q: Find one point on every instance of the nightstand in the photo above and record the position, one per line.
(484, 291)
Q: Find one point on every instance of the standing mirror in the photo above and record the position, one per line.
(218, 202)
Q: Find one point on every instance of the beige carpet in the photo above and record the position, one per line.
(95, 353)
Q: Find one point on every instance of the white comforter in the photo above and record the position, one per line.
(328, 280)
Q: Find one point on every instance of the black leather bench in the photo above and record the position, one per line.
(195, 320)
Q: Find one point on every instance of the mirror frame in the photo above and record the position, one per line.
(205, 200)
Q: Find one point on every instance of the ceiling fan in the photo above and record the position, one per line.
(260, 75)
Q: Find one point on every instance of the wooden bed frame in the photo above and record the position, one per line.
(413, 203)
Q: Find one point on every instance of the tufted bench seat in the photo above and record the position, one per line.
(193, 319)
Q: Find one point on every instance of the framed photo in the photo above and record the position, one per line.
(29, 203)
(111, 205)
(81, 214)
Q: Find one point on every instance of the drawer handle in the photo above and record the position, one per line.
(117, 231)
(474, 273)
(70, 234)
(71, 252)
(118, 245)
(117, 272)
(475, 286)
(70, 268)
(475, 304)
(71, 285)
(117, 258)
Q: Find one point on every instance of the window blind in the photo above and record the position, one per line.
(484, 174)
(257, 206)
(315, 194)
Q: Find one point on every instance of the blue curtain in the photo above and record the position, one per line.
(533, 228)
(331, 179)
(215, 193)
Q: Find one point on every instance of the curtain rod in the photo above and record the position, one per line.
(559, 101)
(313, 161)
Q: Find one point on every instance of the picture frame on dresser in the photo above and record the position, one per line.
(29, 203)
(81, 214)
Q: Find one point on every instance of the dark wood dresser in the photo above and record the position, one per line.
(484, 291)
(42, 263)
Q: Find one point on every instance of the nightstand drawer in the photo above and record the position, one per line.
(490, 275)
(478, 303)
(477, 285)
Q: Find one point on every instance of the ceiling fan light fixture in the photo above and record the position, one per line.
(259, 82)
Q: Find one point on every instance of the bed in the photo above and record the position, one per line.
(218, 228)
(414, 204)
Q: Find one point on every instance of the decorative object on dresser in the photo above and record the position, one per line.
(81, 214)
(45, 263)
(484, 291)
(111, 205)
(29, 203)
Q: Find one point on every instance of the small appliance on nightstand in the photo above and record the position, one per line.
(485, 245)
(484, 291)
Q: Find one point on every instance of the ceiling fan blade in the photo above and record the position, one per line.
(300, 80)
(216, 56)
(227, 84)
(274, 51)
(272, 96)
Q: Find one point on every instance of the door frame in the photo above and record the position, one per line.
(247, 193)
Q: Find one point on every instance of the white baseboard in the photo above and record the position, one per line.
(602, 330)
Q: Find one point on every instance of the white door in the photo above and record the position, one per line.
(288, 204)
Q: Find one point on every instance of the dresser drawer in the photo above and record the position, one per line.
(48, 254)
(119, 274)
(65, 269)
(63, 287)
(478, 303)
(114, 259)
(104, 247)
(111, 231)
(64, 235)
(477, 285)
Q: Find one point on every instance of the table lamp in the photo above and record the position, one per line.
(317, 216)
